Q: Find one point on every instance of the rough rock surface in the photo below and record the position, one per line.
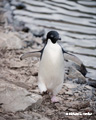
(10, 41)
(14, 98)
(19, 95)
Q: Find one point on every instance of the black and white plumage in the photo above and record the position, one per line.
(51, 68)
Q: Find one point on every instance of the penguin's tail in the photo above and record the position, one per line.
(68, 56)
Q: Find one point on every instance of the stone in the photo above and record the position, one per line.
(78, 104)
(92, 83)
(32, 81)
(1, 118)
(74, 74)
(69, 92)
(25, 29)
(38, 32)
(38, 41)
(14, 98)
(35, 69)
(82, 69)
(17, 64)
(79, 81)
(71, 85)
(37, 116)
(88, 87)
(20, 6)
(25, 116)
(10, 41)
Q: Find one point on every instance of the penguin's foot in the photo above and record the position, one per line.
(54, 99)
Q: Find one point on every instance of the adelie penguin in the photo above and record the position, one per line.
(51, 68)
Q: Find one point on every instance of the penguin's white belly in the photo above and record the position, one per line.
(51, 69)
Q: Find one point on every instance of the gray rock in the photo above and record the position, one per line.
(91, 83)
(25, 29)
(79, 81)
(78, 104)
(10, 41)
(76, 75)
(17, 64)
(81, 69)
(38, 32)
(70, 85)
(69, 92)
(20, 6)
(15, 98)
(32, 116)
(1, 118)
(37, 116)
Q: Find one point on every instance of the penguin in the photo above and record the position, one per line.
(51, 67)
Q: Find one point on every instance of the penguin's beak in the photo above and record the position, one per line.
(59, 38)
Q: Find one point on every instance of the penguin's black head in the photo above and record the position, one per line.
(53, 36)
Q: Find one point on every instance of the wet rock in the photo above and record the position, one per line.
(79, 81)
(25, 29)
(92, 83)
(10, 41)
(38, 32)
(20, 6)
(15, 98)
(83, 70)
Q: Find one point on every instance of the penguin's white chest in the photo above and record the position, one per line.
(51, 69)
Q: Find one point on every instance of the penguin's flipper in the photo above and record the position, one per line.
(31, 54)
(68, 56)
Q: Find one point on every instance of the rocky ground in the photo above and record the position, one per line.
(19, 95)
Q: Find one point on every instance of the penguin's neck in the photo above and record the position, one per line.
(50, 43)
(52, 46)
